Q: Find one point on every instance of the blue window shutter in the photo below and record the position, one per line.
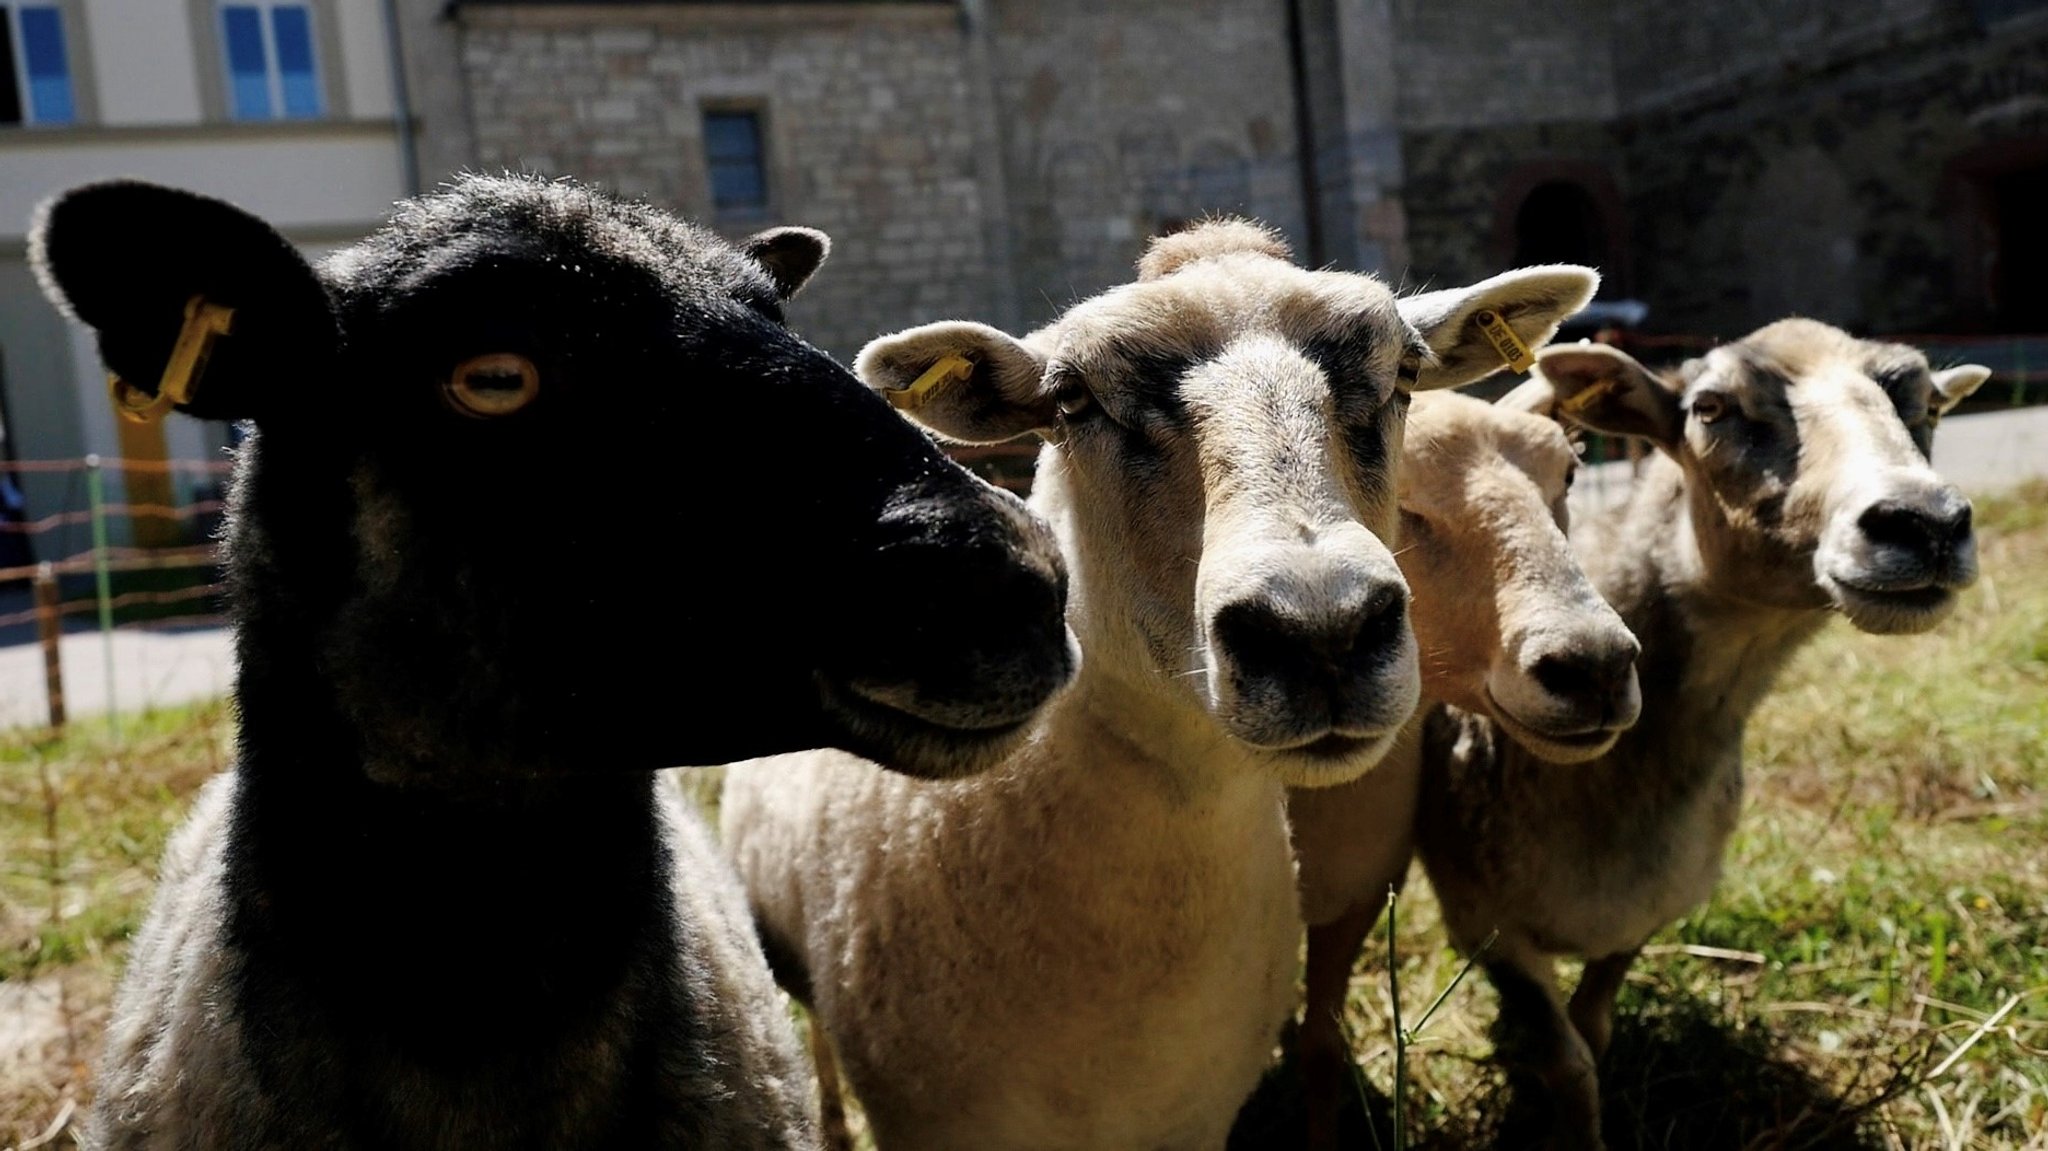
(733, 154)
(49, 69)
(248, 62)
(292, 28)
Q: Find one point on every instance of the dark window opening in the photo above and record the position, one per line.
(734, 156)
(1559, 223)
(2019, 300)
(10, 90)
(35, 81)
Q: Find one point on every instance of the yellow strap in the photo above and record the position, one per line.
(950, 367)
(1506, 342)
(1585, 397)
(204, 322)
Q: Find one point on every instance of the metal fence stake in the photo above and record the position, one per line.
(95, 487)
(50, 631)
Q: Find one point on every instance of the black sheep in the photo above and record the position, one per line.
(543, 497)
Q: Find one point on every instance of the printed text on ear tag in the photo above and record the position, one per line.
(1506, 342)
(951, 367)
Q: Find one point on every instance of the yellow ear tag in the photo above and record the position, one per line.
(951, 367)
(1505, 342)
(1590, 395)
(204, 323)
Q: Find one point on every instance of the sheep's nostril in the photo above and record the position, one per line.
(1895, 523)
(1585, 677)
(1955, 527)
(1566, 677)
(1383, 621)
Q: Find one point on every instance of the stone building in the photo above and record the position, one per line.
(1875, 164)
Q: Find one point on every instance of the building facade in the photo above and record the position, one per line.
(1869, 164)
(287, 107)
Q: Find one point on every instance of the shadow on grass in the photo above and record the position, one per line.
(1679, 1077)
(1275, 1118)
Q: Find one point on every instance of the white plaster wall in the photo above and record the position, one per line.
(333, 179)
(144, 62)
(365, 59)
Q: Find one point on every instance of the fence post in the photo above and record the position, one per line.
(95, 487)
(50, 630)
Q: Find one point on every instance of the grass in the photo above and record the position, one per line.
(83, 822)
(1886, 895)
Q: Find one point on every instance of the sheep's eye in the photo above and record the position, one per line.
(1072, 397)
(1570, 474)
(497, 384)
(1709, 406)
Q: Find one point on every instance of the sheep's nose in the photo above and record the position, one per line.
(1265, 642)
(1594, 680)
(1928, 527)
(981, 639)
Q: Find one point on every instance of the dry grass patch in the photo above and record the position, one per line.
(83, 820)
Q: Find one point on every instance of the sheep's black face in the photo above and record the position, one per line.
(549, 487)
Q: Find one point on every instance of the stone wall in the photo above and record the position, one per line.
(1120, 119)
(1835, 194)
(1666, 50)
(1463, 186)
(1499, 62)
(1000, 158)
(868, 118)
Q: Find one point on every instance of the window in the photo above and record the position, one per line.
(732, 152)
(36, 86)
(270, 61)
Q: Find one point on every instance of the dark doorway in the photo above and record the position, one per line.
(1559, 223)
(2019, 301)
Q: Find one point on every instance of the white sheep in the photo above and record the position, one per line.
(1791, 484)
(1094, 945)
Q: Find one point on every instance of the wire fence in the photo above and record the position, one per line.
(166, 576)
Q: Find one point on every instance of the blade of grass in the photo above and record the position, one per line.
(1400, 1036)
(1478, 953)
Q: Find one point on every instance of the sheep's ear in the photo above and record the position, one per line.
(1953, 385)
(963, 380)
(155, 270)
(1604, 389)
(791, 255)
(1460, 325)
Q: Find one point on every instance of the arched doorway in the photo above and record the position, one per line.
(2001, 238)
(1559, 222)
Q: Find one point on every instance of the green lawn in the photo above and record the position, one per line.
(1887, 894)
